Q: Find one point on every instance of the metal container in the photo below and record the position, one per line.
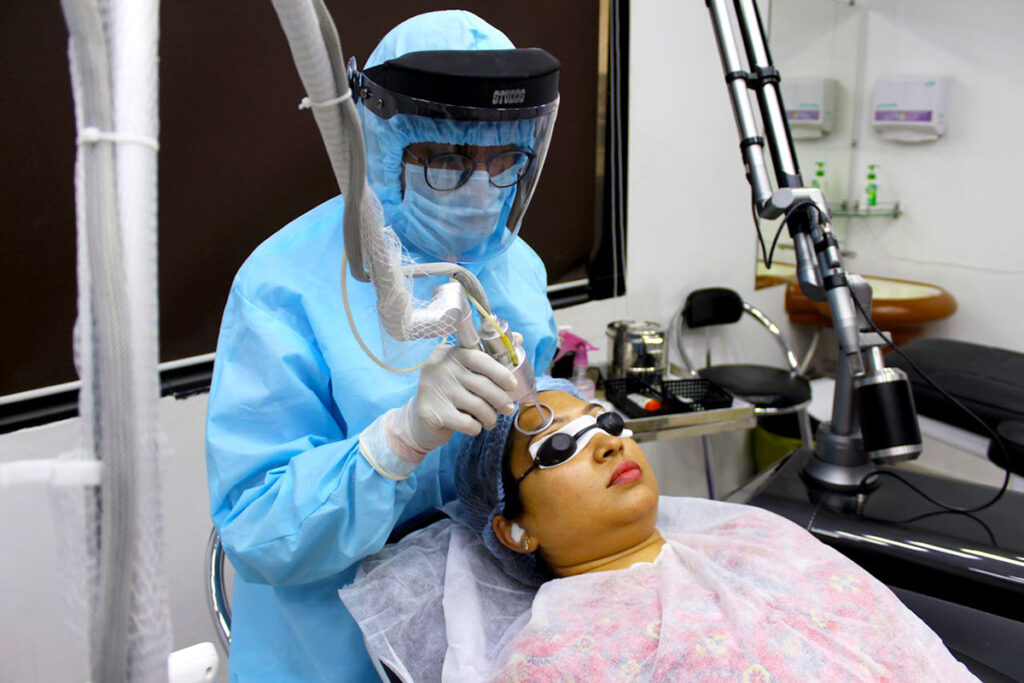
(637, 348)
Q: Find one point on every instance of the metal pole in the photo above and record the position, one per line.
(780, 142)
(751, 143)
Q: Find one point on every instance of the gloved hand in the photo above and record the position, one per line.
(460, 390)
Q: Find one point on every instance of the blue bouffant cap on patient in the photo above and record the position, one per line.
(482, 495)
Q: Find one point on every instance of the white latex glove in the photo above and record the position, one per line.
(460, 390)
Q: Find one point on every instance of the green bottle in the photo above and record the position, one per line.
(819, 176)
(871, 187)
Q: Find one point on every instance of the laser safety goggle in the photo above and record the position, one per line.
(563, 445)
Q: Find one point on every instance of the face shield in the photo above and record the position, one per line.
(458, 139)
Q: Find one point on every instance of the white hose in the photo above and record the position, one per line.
(104, 353)
(113, 64)
(302, 29)
(316, 50)
(133, 38)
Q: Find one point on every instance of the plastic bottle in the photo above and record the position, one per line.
(580, 346)
(646, 403)
(869, 197)
(819, 176)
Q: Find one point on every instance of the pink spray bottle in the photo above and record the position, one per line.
(571, 342)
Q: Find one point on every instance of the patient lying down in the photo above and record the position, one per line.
(560, 566)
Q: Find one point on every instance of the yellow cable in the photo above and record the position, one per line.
(355, 332)
(484, 313)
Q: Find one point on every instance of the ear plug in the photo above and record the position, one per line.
(517, 533)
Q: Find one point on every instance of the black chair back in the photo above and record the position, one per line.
(712, 306)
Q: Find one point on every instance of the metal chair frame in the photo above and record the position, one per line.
(794, 366)
(800, 409)
(216, 593)
(791, 361)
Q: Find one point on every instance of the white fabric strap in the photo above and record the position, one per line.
(54, 472)
(307, 103)
(91, 135)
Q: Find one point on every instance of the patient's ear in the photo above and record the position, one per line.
(512, 536)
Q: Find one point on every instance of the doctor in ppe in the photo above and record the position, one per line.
(315, 454)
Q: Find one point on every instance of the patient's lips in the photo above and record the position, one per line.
(625, 472)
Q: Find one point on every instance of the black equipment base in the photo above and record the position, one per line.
(961, 574)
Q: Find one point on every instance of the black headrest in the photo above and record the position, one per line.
(712, 306)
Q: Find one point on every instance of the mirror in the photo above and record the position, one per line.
(817, 46)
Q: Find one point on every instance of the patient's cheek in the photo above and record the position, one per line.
(568, 484)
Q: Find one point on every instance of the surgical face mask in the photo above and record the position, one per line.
(451, 225)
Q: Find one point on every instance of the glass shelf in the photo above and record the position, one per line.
(788, 246)
(850, 210)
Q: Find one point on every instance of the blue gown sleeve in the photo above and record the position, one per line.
(291, 496)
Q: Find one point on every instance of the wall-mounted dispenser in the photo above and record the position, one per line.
(910, 108)
(810, 106)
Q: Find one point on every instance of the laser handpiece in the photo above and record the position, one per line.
(495, 339)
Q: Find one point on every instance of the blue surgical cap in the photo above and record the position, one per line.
(479, 486)
(387, 138)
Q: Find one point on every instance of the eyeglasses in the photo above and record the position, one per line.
(450, 170)
(562, 446)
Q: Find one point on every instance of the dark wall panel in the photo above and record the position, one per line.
(37, 237)
(238, 160)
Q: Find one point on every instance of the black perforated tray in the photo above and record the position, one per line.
(676, 395)
(703, 394)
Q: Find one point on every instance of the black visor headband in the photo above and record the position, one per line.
(495, 84)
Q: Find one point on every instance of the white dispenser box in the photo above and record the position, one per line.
(910, 108)
(810, 106)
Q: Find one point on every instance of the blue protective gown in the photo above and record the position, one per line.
(296, 504)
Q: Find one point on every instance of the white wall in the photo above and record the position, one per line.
(959, 228)
(962, 228)
(36, 644)
(689, 224)
(31, 627)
